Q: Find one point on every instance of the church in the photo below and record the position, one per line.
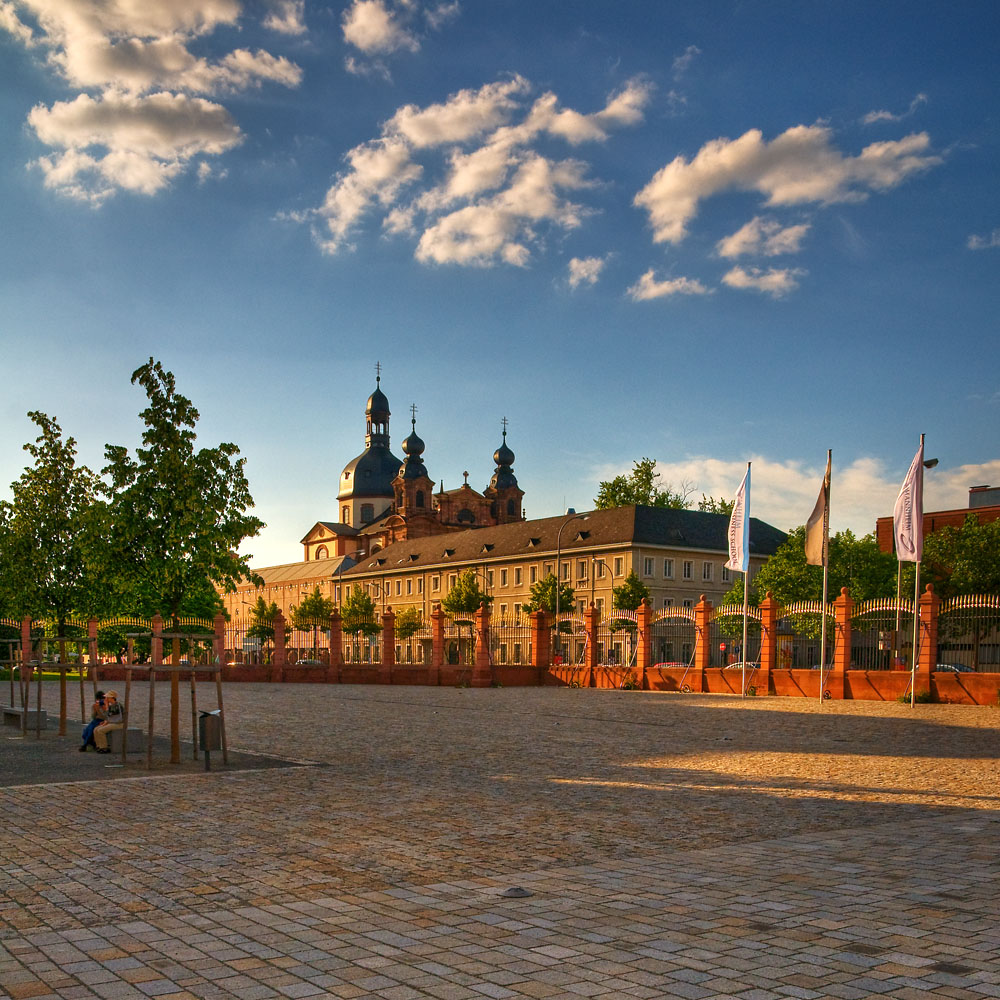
(383, 499)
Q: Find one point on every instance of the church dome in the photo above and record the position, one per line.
(378, 404)
(503, 477)
(413, 448)
(372, 472)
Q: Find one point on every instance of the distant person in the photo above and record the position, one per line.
(98, 713)
(115, 720)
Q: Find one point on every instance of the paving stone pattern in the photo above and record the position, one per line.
(668, 846)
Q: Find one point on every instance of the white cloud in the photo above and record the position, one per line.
(775, 282)
(887, 116)
(139, 125)
(784, 492)
(762, 236)
(683, 62)
(437, 17)
(147, 141)
(496, 197)
(372, 27)
(984, 242)
(801, 165)
(585, 270)
(286, 17)
(647, 287)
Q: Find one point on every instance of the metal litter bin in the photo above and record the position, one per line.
(210, 733)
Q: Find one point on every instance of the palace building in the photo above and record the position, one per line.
(406, 543)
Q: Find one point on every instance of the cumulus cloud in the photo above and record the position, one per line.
(380, 28)
(491, 196)
(984, 242)
(799, 166)
(140, 121)
(286, 17)
(775, 282)
(585, 270)
(766, 237)
(887, 116)
(647, 287)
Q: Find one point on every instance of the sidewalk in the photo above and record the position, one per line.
(672, 846)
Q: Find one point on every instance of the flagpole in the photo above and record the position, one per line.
(826, 575)
(916, 589)
(746, 601)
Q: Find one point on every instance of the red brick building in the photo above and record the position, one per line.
(984, 502)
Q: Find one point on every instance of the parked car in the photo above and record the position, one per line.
(739, 666)
(658, 666)
(954, 668)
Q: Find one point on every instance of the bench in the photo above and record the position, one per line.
(15, 717)
(136, 740)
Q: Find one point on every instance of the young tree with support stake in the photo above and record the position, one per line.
(313, 612)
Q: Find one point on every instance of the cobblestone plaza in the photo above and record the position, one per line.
(540, 842)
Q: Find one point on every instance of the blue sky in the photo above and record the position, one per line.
(704, 233)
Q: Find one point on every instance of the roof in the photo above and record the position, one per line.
(633, 525)
(313, 569)
(370, 474)
(334, 527)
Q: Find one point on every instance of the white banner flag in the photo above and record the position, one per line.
(908, 514)
(739, 528)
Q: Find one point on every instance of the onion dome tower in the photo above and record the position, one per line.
(503, 492)
(366, 482)
(413, 487)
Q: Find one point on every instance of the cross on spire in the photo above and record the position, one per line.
(378, 372)
(413, 414)
(504, 422)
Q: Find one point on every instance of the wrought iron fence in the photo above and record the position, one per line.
(799, 638)
(569, 639)
(969, 633)
(725, 636)
(618, 640)
(673, 638)
(510, 640)
(882, 635)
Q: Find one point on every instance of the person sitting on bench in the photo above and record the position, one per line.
(97, 716)
(115, 720)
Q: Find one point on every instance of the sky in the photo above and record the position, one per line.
(706, 233)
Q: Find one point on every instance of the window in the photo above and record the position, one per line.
(452, 580)
(420, 498)
(725, 574)
(517, 610)
(517, 576)
(489, 579)
(517, 652)
(564, 570)
(647, 567)
(345, 514)
(409, 586)
(599, 567)
(399, 588)
(503, 610)
(706, 571)
(503, 578)
(336, 594)
(668, 602)
(668, 569)
(420, 584)
(688, 569)
(322, 552)
(599, 603)
(435, 583)
(688, 603)
(546, 569)
(581, 569)
(618, 565)
(533, 574)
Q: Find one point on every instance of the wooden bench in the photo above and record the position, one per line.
(15, 717)
(136, 740)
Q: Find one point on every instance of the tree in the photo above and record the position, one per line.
(630, 594)
(716, 506)
(176, 515)
(543, 596)
(262, 618)
(44, 531)
(641, 486)
(357, 613)
(409, 621)
(465, 598)
(313, 612)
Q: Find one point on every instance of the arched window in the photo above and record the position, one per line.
(420, 498)
(345, 514)
(367, 513)
(322, 552)
(512, 507)
(465, 516)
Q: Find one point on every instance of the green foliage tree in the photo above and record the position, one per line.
(262, 618)
(465, 598)
(641, 486)
(357, 613)
(44, 530)
(409, 621)
(176, 515)
(313, 612)
(630, 594)
(543, 596)
(715, 505)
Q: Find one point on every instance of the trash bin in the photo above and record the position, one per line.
(210, 730)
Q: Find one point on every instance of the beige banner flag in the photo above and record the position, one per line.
(818, 525)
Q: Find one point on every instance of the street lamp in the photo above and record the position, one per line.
(594, 560)
(573, 516)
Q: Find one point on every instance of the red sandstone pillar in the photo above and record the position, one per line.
(481, 674)
(541, 658)
(768, 643)
(437, 646)
(702, 644)
(278, 659)
(843, 608)
(333, 674)
(388, 647)
(930, 605)
(591, 618)
(644, 657)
